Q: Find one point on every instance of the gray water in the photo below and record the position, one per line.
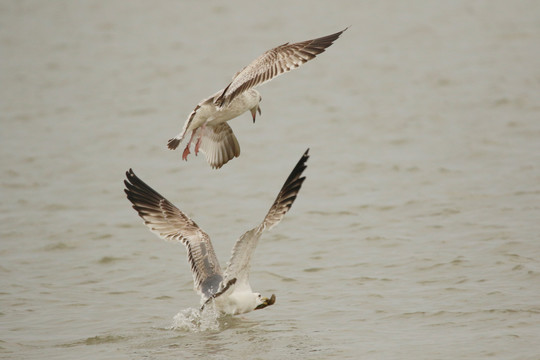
(415, 236)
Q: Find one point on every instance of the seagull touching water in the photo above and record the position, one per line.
(229, 289)
(208, 121)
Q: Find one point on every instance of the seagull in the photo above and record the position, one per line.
(208, 121)
(229, 290)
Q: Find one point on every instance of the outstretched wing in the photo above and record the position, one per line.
(238, 265)
(272, 63)
(167, 221)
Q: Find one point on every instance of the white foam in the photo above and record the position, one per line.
(194, 320)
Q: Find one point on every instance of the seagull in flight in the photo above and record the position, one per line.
(229, 290)
(208, 121)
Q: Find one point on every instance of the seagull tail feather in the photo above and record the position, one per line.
(174, 142)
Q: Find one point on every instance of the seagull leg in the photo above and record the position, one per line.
(198, 143)
(186, 150)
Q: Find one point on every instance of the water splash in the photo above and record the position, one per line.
(195, 320)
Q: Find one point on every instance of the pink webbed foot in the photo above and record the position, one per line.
(186, 150)
(185, 153)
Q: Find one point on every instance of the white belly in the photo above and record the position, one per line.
(242, 103)
(236, 303)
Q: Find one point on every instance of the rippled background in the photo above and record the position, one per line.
(415, 236)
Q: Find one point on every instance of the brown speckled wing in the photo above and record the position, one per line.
(239, 263)
(167, 221)
(274, 62)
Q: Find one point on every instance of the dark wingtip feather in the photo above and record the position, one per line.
(299, 168)
(325, 41)
(288, 193)
(139, 193)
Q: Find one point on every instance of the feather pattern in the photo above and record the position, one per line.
(219, 144)
(272, 63)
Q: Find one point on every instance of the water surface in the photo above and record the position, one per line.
(415, 236)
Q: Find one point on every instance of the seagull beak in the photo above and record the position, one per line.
(266, 302)
(254, 112)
